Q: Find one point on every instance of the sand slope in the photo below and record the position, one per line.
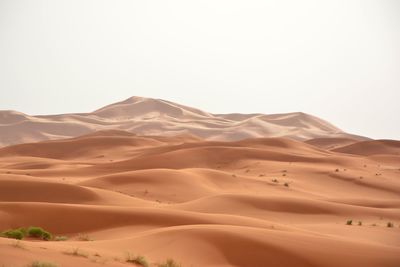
(146, 116)
(253, 202)
(331, 143)
(374, 147)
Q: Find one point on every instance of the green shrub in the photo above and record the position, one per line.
(38, 232)
(349, 222)
(47, 236)
(169, 263)
(34, 231)
(138, 260)
(15, 234)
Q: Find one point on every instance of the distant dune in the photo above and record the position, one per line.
(253, 202)
(374, 147)
(331, 142)
(146, 116)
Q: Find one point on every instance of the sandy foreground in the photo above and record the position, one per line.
(255, 202)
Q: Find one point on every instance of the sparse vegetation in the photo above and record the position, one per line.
(389, 224)
(275, 181)
(349, 222)
(286, 184)
(42, 264)
(60, 238)
(32, 231)
(77, 252)
(84, 237)
(23, 230)
(337, 170)
(38, 232)
(138, 260)
(47, 236)
(169, 263)
(15, 234)
(359, 223)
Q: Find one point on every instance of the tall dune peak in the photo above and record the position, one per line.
(149, 116)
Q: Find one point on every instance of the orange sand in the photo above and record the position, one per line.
(203, 203)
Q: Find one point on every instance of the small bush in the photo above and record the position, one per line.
(38, 232)
(34, 231)
(389, 224)
(138, 260)
(359, 223)
(60, 238)
(286, 184)
(275, 181)
(349, 222)
(42, 264)
(47, 236)
(15, 234)
(169, 263)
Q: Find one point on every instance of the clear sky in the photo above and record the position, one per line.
(339, 60)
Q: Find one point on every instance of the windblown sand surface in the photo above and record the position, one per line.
(146, 116)
(255, 202)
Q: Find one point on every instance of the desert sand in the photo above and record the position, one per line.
(154, 178)
(253, 202)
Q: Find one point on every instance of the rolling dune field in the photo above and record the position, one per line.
(250, 202)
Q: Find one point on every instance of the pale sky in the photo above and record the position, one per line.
(338, 60)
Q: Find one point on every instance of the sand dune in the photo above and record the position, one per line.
(374, 147)
(331, 143)
(146, 116)
(252, 202)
